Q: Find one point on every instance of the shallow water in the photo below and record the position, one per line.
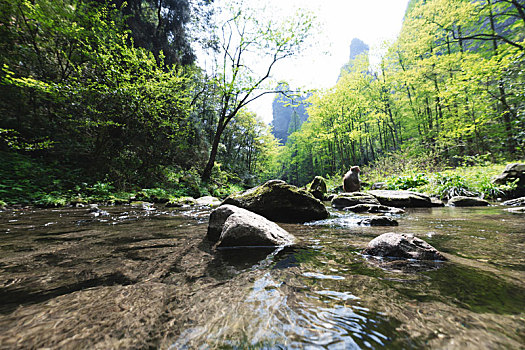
(138, 278)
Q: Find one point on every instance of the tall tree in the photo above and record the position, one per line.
(246, 36)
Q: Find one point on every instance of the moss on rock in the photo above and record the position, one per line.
(278, 201)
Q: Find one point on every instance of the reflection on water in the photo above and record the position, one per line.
(162, 285)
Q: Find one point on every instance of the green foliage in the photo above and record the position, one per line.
(462, 181)
(49, 200)
(75, 90)
(449, 185)
(227, 189)
(251, 44)
(449, 88)
(407, 182)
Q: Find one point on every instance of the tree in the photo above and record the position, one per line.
(249, 45)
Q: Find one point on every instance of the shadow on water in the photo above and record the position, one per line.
(12, 298)
(469, 288)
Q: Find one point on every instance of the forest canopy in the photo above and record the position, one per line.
(109, 93)
(451, 86)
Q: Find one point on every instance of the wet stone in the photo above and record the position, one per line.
(403, 199)
(378, 221)
(462, 201)
(350, 199)
(402, 245)
(278, 201)
(515, 202)
(233, 226)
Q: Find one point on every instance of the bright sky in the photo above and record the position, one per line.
(372, 21)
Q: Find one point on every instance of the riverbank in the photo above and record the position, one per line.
(29, 182)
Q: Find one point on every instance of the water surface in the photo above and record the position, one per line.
(138, 278)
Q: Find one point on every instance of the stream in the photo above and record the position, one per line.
(131, 278)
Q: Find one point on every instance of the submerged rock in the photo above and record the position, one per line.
(374, 208)
(402, 245)
(96, 211)
(233, 227)
(462, 201)
(379, 221)
(350, 199)
(515, 202)
(278, 201)
(404, 199)
(318, 187)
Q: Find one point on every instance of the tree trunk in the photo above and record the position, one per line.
(206, 174)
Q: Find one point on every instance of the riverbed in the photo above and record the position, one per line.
(140, 277)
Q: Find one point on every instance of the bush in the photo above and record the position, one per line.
(467, 181)
(407, 182)
(50, 200)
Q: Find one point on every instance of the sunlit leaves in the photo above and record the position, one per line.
(452, 84)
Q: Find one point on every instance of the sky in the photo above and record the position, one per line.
(372, 21)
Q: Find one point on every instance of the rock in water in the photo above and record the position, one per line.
(462, 201)
(404, 199)
(349, 199)
(378, 221)
(402, 245)
(278, 201)
(515, 202)
(247, 230)
(436, 202)
(318, 187)
(233, 227)
(218, 218)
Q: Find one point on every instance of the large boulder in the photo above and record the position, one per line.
(278, 201)
(318, 187)
(402, 245)
(217, 219)
(350, 199)
(402, 199)
(237, 227)
(462, 201)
